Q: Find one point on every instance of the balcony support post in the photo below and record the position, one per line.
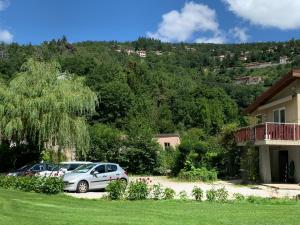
(266, 132)
(264, 164)
(294, 131)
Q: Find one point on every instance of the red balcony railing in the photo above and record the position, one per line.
(269, 131)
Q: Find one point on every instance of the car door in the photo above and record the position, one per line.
(112, 172)
(98, 178)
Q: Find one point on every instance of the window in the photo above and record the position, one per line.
(73, 166)
(279, 115)
(100, 169)
(111, 168)
(37, 167)
(167, 145)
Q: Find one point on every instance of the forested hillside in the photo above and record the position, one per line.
(148, 87)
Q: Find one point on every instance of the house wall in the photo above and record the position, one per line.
(293, 154)
(174, 141)
(292, 107)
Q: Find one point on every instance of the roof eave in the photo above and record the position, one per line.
(274, 89)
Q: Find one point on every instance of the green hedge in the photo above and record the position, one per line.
(47, 185)
(198, 174)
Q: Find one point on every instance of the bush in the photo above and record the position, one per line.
(198, 174)
(47, 185)
(238, 197)
(7, 182)
(183, 195)
(255, 199)
(211, 195)
(138, 190)
(197, 193)
(116, 189)
(157, 191)
(222, 195)
(219, 195)
(166, 161)
(169, 193)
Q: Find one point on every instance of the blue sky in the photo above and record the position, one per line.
(217, 21)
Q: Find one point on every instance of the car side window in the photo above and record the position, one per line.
(37, 167)
(111, 168)
(49, 167)
(73, 166)
(100, 169)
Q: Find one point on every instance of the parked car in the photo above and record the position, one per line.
(31, 170)
(62, 168)
(93, 176)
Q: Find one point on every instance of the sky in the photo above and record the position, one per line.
(199, 21)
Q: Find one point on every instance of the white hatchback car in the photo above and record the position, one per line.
(93, 176)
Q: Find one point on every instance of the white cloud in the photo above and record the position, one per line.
(6, 36)
(3, 4)
(240, 34)
(282, 14)
(183, 25)
(217, 39)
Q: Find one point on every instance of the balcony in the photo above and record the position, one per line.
(269, 134)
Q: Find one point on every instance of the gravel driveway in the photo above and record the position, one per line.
(231, 186)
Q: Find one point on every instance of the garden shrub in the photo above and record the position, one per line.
(238, 197)
(166, 161)
(138, 190)
(198, 174)
(47, 185)
(221, 195)
(28, 184)
(168, 194)
(211, 195)
(7, 182)
(116, 189)
(51, 185)
(157, 192)
(250, 164)
(255, 199)
(183, 195)
(197, 193)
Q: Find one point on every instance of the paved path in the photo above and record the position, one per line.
(231, 186)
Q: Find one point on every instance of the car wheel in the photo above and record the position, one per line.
(124, 181)
(82, 187)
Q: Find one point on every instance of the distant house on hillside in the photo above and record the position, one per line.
(283, 60)
(248, 80)
(168, 140)
(243, 58)
(221, 57)
(276, 135)
(141, 53)
(129, 51)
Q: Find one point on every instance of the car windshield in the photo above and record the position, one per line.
(66, 166)
(24, 168)
(84, 168)
(56, 167)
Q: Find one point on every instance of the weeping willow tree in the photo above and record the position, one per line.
(46, 105)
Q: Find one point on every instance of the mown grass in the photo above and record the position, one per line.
(20, 208)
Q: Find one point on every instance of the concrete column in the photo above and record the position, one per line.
(264, 164)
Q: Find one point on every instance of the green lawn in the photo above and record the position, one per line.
(29, 208)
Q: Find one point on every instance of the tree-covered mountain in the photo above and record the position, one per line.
(147, 87)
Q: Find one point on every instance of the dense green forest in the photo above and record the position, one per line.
(146, 87)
